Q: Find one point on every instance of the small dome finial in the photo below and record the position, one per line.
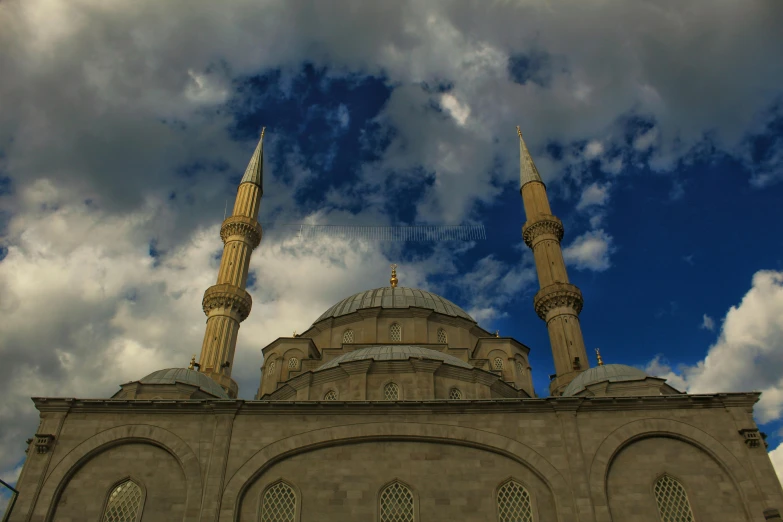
(394, 279)
(497, 333)
(598, 355)
(192, 362)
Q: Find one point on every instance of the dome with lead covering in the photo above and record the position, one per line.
(185, 376)
(606, 372)
(394, 352)
(395, 297)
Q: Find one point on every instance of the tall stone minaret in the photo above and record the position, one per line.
(227, 303)
(558, 302)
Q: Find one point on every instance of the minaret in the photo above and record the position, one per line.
(558, 302)
(227, 303)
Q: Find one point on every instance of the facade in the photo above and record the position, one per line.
(396, 406)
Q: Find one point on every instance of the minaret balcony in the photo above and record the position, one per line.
(227, 297)
(242, 228)
(546, 225)
(555, 297)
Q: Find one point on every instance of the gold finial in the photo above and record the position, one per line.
(497, 333)
(264, 128)
(294, 333)
(519, 132)
(598, 355)
(393, 279)
(192, 362)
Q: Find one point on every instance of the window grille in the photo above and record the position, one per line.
(520, 368)
(293, 363)
(442, 339)
(514, 503)
(348, 337)
(672, 500)
(455, 394)
(271, 368)
(331, 395)
(396, 503)
(124, 504)
(391, 392)
(395, 333)
(497, 364)
(279, 504)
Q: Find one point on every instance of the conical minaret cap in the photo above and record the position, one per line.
(527, 169)
(255, 169)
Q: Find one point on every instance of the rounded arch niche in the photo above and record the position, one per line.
(291, 458)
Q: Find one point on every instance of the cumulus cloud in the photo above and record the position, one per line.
(590, 251)
(595, 194)
(707, 323)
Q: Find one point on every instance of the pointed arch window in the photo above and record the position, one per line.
(348, 336)
(391, 392)
(279, 503)
(293, 363)
(497, 363)
(673, 504)
(396, 503)
(331, 395)
(271, 368)
(124, 503)
(442, 337)
(395, 333)
(514, 503)
(520, 368)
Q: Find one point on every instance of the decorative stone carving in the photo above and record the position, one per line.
(557, 295)
(227, 296)
(549, 225)
(242, 226)
(752, 437)
(43, 442)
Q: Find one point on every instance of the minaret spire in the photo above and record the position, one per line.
(558, 302)
(227, 303)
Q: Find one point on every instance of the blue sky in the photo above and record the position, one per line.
(658, 130)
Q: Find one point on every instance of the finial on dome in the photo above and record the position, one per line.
(394, 279)
(598, 355)
(497, 333)
(192, 362)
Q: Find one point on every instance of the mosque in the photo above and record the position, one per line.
(397, 406)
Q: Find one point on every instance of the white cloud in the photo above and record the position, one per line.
(645, 140)
(707, 323)
(659, 367)
(590, 251)
(594, 194)
(458, 111)
(776, 456)
(593, 149)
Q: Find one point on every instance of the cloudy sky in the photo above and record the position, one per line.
(125, 127)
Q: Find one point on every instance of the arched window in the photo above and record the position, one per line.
(271, 368)
(520, 368)
(497, 364)
(293, 363)
(442, 339)
(396, 503)
(395, 333)
(455, 394)
(672, 500)
(514, 503)
(331, 395)
(348, 337)
(279, 504)
(391, 392)
(124, 503)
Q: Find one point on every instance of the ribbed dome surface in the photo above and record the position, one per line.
(395, 297)
(183, 375)
(607, 372)
(394, 352)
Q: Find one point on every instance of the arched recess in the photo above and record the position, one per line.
(645, 428)
(164, 439)
(383, 431)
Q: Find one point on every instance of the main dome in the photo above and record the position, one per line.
(394, 352)
(395, 297)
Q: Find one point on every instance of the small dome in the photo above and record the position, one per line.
(395, 297)
(395, 352)
(606, 372)
(183, 375)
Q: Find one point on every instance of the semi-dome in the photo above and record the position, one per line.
(183, 375)
(606, 372)
(394, 352)
(395, 297)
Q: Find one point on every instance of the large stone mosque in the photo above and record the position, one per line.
(396, 406)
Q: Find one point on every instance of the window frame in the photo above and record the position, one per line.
(684, 489)
(114, 486)
(445, 336)
(353, 336)
(383, 391)
(502, 365)
(296, 361)
(455, 389)
(391, 340)
(387, 485)
(331, 390)
(496, 493)
(297, 496)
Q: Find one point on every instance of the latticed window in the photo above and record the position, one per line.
(520, 368)
(391, 392)
(331, 395)
(672, 500)
(395, 333)
(348, 337)
(279, 503)
(442, 339)
(293, 363)
(497, 364)
(396, 503)
(514, 503)
(124, 504)
(271, 368)
(455, 394)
